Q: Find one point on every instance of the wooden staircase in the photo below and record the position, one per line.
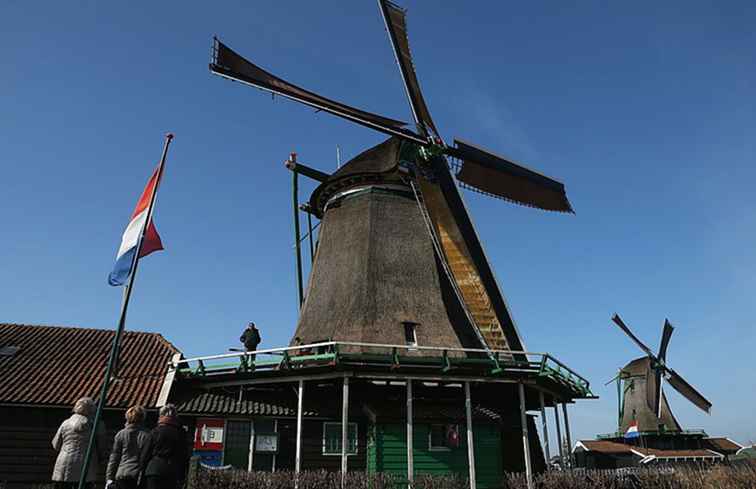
(461, 266)
(473, 293)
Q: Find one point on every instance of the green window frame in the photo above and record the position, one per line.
(332, 438)
(438, 437)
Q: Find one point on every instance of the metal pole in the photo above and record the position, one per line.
(525, 438)
(619, 401)
(470, 446)
(559, 434)
(298, 457)
(344, 428)
(545, 429)
(309, 235)
(410, 439)
(567, 433)
(113, 357)
(295, 199)
(275, 454)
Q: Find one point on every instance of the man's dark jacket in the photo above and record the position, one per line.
(250, 338)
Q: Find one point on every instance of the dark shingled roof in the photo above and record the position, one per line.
(55, 366)
(614, 448)
(724, 446)
(608, 447)
(216, 403)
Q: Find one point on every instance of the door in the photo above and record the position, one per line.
(236, 450)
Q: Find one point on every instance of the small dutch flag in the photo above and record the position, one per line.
(632, 430)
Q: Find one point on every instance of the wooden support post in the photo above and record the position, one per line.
(410, 440)
(251, 459)
(545, 429)
(567, 434)
(559, 434)
(275, 430)
(298, 455)
(470, 446)
(344, 428)
(297, 238)
(525, 437)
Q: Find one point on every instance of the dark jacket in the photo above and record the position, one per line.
(131, 451)
(168, 452)
(250, 338)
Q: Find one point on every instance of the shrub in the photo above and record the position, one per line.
(736, 476)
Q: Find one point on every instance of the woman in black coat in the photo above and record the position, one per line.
(166, 468)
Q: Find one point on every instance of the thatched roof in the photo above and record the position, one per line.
(375, 265)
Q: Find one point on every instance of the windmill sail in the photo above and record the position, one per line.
(503, 178)
(396, 25)
(662, 357)
(227, 63)
(619, 322)
(688, 391)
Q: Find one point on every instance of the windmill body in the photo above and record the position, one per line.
(638, 391)
(376, 276)
(403, 320)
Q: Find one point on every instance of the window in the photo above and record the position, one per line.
(443, 437)
(332, 438)
(410, 333)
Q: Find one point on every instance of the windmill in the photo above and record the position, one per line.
(398, 256)
(642, 398)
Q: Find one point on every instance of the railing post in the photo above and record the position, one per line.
(470, 441)
(410, 439)
(525, 437)
(298, 456)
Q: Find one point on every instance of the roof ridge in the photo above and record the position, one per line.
(85, 328)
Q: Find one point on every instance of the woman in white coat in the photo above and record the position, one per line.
(71, 442)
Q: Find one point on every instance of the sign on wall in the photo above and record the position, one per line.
(266, 442)
(209, 434)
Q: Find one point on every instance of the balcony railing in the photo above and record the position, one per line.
(490, 363)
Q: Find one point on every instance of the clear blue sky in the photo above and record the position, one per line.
(646, 112)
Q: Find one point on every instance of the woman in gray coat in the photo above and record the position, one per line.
(71, 442)
(131, 450)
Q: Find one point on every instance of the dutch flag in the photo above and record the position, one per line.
(632, 430)
(151, 241)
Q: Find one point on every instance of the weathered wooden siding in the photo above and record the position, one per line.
(26, 453)
(390, 453)
(312, 445)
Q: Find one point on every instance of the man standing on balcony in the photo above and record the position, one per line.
(250, 338)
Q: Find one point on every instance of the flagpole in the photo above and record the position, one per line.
(113, 358)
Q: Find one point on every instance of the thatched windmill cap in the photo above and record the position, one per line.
(378, 164)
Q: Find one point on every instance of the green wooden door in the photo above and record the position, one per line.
(236, 446)
(389, 453)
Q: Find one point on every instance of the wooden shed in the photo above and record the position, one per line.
(45, 369)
